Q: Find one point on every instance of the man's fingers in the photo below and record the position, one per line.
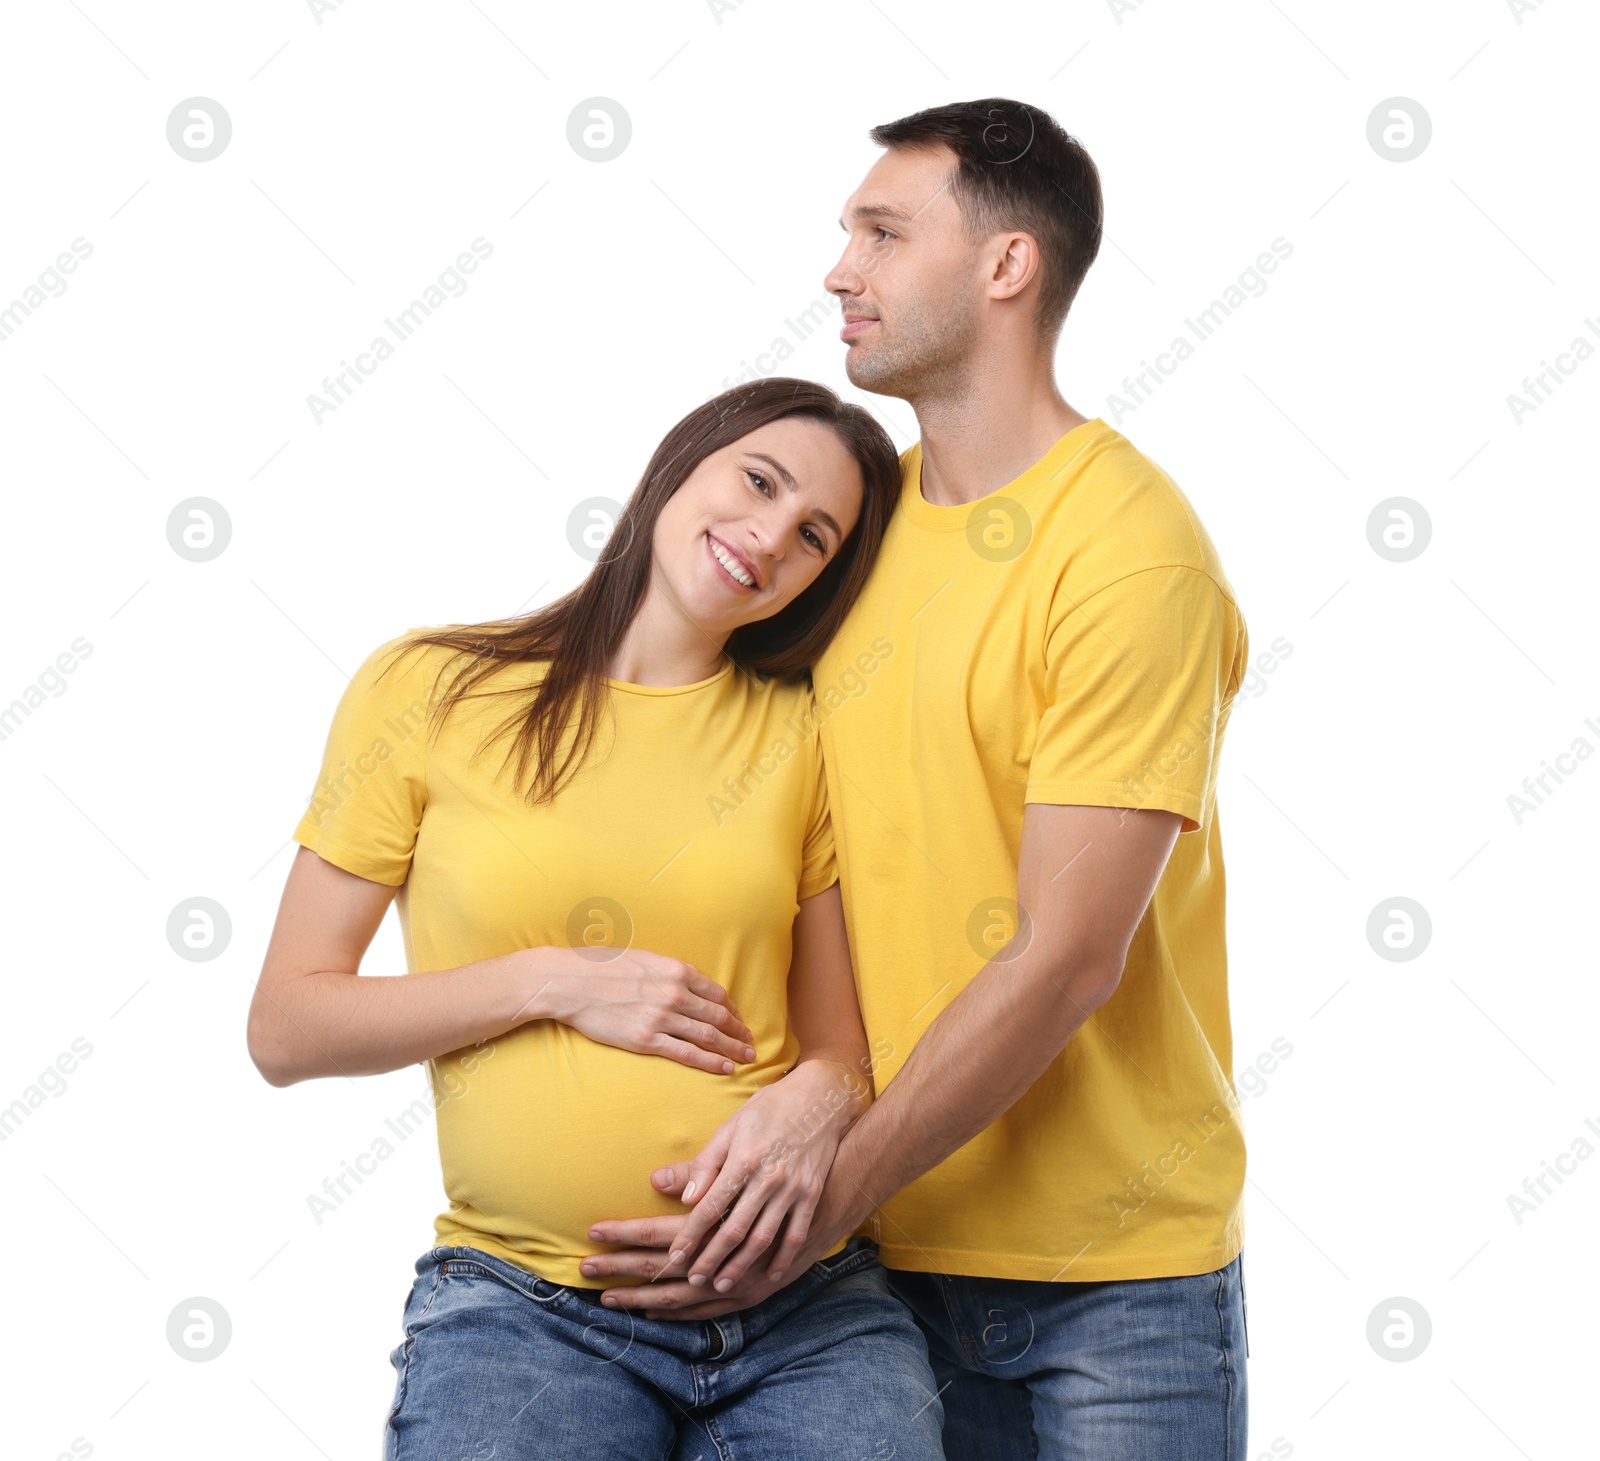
(651, 1232)
(711, 1309)
(646, 1263)
(666, 1296)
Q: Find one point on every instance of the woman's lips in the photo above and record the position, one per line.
(742, 587)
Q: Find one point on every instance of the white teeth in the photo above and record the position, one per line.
(731, 564)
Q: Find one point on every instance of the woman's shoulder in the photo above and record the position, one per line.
(408, 653)
(787, 695)
(419, 665)
(786, 707)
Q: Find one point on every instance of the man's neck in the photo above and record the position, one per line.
(987, 433)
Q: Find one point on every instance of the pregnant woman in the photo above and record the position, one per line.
(624, 935)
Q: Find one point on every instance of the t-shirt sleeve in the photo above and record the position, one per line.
(1139, 681)
(367, 804)
(819, 866)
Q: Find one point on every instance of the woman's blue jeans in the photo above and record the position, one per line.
(497, 1363)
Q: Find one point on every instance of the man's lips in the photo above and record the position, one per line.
(856, 325)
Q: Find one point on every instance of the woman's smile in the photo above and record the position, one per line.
(732, 569)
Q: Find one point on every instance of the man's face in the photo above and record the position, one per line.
(909, 282)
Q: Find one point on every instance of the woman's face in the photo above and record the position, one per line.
(756, 522)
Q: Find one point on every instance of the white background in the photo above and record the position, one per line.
(1374, 761)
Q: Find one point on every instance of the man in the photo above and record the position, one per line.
(1022, 719)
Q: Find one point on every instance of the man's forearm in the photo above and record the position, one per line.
(976, 1061)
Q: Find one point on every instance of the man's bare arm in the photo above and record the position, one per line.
(1085, 877)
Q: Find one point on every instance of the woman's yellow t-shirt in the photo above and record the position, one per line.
(697, 823)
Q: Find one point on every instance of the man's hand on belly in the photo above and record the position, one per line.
(675, 1298)
(756, 1186)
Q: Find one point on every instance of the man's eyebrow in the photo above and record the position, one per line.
(878, 210)
(789, 482)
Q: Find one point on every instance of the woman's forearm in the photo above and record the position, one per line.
(832, 1091)
(333, 1023)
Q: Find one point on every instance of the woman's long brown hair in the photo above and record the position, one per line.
(579, 633)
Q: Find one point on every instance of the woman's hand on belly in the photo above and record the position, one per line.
(636, 1000)
(764, 1167)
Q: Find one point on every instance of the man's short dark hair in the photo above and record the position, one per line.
(1017, 168)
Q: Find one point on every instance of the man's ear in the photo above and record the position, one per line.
(1015, 263)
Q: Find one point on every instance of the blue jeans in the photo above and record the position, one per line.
(1149, 1369)
(497, 1363)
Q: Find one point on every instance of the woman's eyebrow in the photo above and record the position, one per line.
(789, 482)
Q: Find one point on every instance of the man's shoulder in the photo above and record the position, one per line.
(1119, 513)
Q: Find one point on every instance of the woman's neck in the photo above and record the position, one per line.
(664, 646)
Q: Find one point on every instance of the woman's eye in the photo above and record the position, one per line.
(757, 478)
(816, 541)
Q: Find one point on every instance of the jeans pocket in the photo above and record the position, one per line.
(1244, 1307)
(472, 1263)
(424, 1290)
(857, 1253)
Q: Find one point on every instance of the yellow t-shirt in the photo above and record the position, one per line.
(693, 830)
(1068, 639)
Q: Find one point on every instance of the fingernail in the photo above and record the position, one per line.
(723, 1285)
(774, 1274)
(587, 1269)
(727, 1067)
(608, 1301)
(688, 1196)
(594, 1235)
(749, 1052)
(675, 1257)
(697, 1279)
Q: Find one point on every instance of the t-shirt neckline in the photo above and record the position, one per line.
(633, 689)
(943, 515)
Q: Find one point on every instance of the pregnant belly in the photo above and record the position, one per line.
(552, 1132)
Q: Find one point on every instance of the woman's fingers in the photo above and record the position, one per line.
(793, 1240)
(717, 1014)
(709, 1037)
(707, 1164)
(707, 1213)
(735, 1227)
(745, 1256)
(713, 993)
(686, 1054)
(671, 1179)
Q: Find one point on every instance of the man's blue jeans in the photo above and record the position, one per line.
(1149, 1369)
(497, 1363)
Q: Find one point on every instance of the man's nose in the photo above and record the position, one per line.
(843, 278)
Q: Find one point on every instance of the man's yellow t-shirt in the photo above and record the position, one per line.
(1068, 639)
(696, 826)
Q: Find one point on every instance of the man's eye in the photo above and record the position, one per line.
(877, 228)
